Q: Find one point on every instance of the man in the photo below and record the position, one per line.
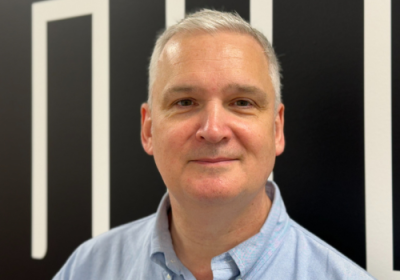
(214, 124)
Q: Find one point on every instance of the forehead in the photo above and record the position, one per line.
(212, 60)
(220, 40)
(219, 45)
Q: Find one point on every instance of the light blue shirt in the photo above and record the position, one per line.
(282, 250)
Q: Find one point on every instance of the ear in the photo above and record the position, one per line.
(146, 132)
(279, 135)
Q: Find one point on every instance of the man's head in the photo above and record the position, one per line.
(211, 22)
(214, 127)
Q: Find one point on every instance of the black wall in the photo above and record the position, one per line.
(321, 173)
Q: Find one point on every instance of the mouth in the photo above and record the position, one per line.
(214, 161)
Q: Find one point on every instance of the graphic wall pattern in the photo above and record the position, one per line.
(73, 74)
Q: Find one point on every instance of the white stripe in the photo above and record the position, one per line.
(100, 118)
(42, 12)
(261, 14)
(174, 11)
(261, 18)
(378, 138)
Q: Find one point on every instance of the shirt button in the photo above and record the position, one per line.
(168, 276)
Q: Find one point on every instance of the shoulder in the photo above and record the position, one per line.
(125, 237)
(321, 258)
(111, 252)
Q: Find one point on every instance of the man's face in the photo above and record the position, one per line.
(212, 127)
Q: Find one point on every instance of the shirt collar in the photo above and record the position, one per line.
(258, 249)
(161, 249)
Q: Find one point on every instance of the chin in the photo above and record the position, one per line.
(213, 191)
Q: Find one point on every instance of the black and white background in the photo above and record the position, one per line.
(321, 174)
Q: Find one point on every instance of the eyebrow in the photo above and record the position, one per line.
(245, 89)
(248, 89)
(176, 90)
(233, 87)
(181, 88)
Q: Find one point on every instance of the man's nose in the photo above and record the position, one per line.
(214, 124)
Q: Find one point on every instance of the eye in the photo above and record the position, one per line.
(185, 102)
(242, 103)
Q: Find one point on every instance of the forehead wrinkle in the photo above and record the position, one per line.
(206, 59)
(196, 59)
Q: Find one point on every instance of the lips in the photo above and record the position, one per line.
(219, 160)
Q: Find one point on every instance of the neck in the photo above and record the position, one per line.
(201, 232)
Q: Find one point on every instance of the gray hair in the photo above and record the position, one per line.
(212, 21)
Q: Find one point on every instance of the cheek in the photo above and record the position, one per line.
(173, 132)
(259, 143)
(170, 140)
(257, 138)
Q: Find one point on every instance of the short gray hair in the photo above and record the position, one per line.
(212, 21)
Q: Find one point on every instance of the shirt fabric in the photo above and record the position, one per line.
(143, 250)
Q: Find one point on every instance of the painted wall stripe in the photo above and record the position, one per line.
(261, 17)
(42, 12)
(174, 11)
(378, 135)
